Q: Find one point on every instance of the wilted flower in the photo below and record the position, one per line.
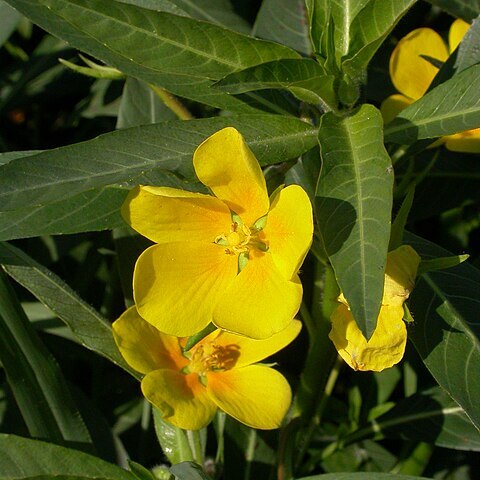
(386, 346)
(216, 373)
(231, 259)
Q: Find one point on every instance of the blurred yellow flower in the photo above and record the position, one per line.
(412, 74)
(231, 259)
(387, 344)
(216, 373)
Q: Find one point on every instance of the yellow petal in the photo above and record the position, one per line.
(177, 285)
(165, 214)
(410, 73)
(250, 350)
(468, 142)
(400, 273)
(260, 301)
(182, 399)
(225, 164)
(385, 347)
(256, 395)
(145, 348)
(289, 229)
(457, 31)
(393, 105)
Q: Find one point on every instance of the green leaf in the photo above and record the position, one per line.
(398, 226)
(340, 14)
(93, 331)
(23, 458)
(41, 392)
(353, 208)
(452, 107)
(468, 51)
(430, 416)
(189, 471)
(140, 472)
(140, 105)
(319, 12)
(96, 209)
(305, 78)
(369, 29)
(362, 476)
(466, 55)
(219, 12)
(446, 333)
(9, 19)
(137, 41)
(441, 263)
(284, 21)
(128, 155)
(467, 10)
(453, 180)
(173, 440)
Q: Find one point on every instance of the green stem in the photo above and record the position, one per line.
(308, 321)
(172, 103)
(144, 425)
(195, 443)
(317, 417)
(250, 453)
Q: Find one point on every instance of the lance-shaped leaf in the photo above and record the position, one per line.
(24, 458)
(466, 55)
(446, 332)
(220, 12)
(128, 155)
(40, 390)
(337, 16)
(353, 207)
(430, 416)
(319, 12)
(96, 209)
(452, 107)
(9, 19)
(178, 53)
(92, 330)
(304, 77)
(362, 476)
(467, 10)
(283, 21)
(369, 29)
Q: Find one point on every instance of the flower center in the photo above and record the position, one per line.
(241, 239)
(210, 357)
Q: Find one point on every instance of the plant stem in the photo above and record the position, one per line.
(250, 453)
(172, 103)
(195, 443)
(317, 417)
(308, 321)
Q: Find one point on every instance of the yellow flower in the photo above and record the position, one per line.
(216, 373)
(412, 74)
(231, 259)
(387, 344)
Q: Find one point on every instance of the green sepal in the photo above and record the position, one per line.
(398, 226)
(407, 316)
(194, 339)
(242, 261)
(441, 263)
(236, 218)
(276, 192)
(93, 69)
(260, 223)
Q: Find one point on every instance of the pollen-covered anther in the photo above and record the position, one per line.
(240, 239)
(211, 357)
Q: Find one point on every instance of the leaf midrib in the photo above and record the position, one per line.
(127, 168)
(169, 41)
